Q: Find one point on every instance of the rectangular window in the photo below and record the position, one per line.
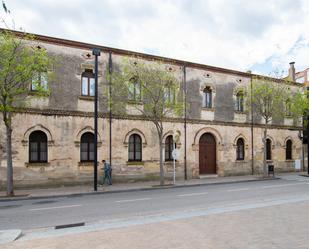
(138, 156)
(92, 86)
(39, 80)
(208, 99)
(43, 152)
(34, 152)
(137, 91)
(131, 155)
(88, 83)
(35, 82)
(91, 151)
(84, 151)
(84, 86)
(134, 91)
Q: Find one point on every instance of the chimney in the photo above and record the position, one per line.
(292, 71)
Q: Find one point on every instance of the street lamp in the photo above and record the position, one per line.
(96, 52)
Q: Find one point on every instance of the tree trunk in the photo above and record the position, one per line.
(9, 184)
(265, 152)
(161, 160)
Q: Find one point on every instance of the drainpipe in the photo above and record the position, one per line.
(252, 154)
(110, 70)
(185, 121)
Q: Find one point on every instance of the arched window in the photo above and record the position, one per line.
(37, 147)
(135, 148)
(288, 150)
(268, 149)
(207, 97)
(240, 149)
(87, 147)
(88, 83)
(240, 101)
(169, 148)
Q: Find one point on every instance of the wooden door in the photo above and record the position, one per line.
(207, 154)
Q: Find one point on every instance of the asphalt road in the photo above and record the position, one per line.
(176, 202)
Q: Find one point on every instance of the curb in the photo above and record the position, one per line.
(131, 190)
(7, 236)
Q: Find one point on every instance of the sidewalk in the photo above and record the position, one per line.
(126, 187)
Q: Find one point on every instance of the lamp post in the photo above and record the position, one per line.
(96, 52)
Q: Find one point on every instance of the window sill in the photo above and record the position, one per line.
(171, 162)
(37, 164)
(86, 164)
(289, 160)
(240, 112)
(135, 163)
(84, 97)
(135, 102)
(240, 161)
(36, 93)
(209, 109)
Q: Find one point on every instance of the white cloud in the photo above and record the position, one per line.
(260, 35)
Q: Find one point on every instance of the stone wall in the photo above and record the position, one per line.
(64, 133)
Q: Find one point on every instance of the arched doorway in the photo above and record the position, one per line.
(207, 154)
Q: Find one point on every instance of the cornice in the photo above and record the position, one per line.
(54, 112)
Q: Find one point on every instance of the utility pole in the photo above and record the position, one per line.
(96, 52)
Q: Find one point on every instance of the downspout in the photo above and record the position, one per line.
(185, 121)
(252, 154)
(110, 70)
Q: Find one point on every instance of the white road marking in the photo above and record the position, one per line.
(193, 194)
(237, 189)
(47, 208)
(284, 185)
(132, 200)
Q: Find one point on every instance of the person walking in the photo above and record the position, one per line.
(107, 172)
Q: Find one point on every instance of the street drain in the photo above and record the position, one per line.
(70, 225)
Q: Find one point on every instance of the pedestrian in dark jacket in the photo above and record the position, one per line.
(107, 172)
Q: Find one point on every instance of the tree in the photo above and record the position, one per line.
(151, 90)
(23, 67)
(271, 99)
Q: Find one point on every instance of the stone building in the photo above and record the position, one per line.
(53, 137)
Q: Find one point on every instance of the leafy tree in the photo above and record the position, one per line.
(150, 90)
(23, 64)
(270, 99)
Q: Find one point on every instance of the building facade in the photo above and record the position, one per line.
(53, 137)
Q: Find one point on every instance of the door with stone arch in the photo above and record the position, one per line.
(207, 154)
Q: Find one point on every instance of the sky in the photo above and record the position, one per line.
(258, 35)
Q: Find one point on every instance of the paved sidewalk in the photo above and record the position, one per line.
(124, 187)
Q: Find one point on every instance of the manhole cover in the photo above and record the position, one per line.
(10, 206)
(43, 202)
